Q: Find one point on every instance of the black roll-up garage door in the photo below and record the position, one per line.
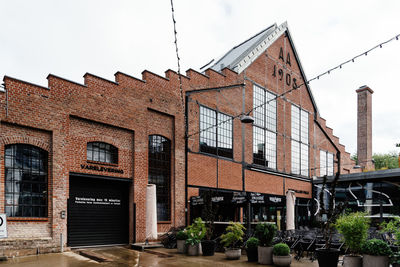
(98, 212)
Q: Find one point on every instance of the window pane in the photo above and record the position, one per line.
(329, 164)
(160, 174)
(295, 123)
(102, 152)
(322, 163)
(295, 157)
(22, 180)
(304, 160)
(264, 128)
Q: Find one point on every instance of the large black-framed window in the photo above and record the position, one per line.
(325, 163)
(216, 132)
(299, 142)
(26, 181)
(264, 128)
(102, 152)
(160, 174)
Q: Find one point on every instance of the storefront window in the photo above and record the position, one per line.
(102, 152)
(160, 174)
(26, 170)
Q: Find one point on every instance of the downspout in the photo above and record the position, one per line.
(186, 159)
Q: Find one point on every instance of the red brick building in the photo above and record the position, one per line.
(75, 158)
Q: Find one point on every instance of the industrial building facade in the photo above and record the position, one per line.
(75, 158)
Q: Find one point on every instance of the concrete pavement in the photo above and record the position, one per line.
(124, 257)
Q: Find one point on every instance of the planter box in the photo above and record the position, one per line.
(208, 247)
(252, 255)
(193, 250)
(282, 260)
(327, 257)
(181, 246)
(233, 254)
(352, 261)
(265, 255)
(375, 261)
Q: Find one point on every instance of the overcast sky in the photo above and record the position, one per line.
(70, 38)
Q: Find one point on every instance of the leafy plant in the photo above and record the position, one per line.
(354, 228)
(395, 258)
(332, 211)
(252, 243)
(265, 232)
(376, 247)
(208, 214)
(182, 235)
(196, 232)
(281, 249)
(233, 236)
(393, 226)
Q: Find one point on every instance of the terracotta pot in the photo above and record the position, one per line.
(232, 253)
(375, 261)
(265, 255)
(352, 261)
(193, 250)
(181, 246)
(327, 257)
(282, 260)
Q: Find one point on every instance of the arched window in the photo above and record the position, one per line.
(26, 172)
(160, 174)
(102, 152)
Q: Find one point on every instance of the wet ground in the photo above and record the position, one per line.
(123, 257)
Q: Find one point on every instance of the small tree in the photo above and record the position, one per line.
(332, 212)
(354, 228)
(265, 232)
(233, 236)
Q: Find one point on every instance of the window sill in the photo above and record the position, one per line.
(102, 163)
(214, 155)
(33, 219)
(164, 222)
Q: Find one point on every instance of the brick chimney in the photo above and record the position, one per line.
(364, 127)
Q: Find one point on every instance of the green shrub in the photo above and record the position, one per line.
(354, 228)
(393, 226)
(196, 232)
(376, 247)
(181, 235)
(252, 243)
(233, 236)
(281, 249)
(265, 232)
(395, 258)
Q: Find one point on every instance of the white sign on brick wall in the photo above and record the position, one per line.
(3, 226)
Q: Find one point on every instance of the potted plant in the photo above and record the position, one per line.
(281, 255)
(393, 227)
(327, 256)
(208, 214)
(395, 259)
(251, 249)
(181, 237)
(354, 228)
(265, 232)
(195, 232)
(232, 240)
(376, 253)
